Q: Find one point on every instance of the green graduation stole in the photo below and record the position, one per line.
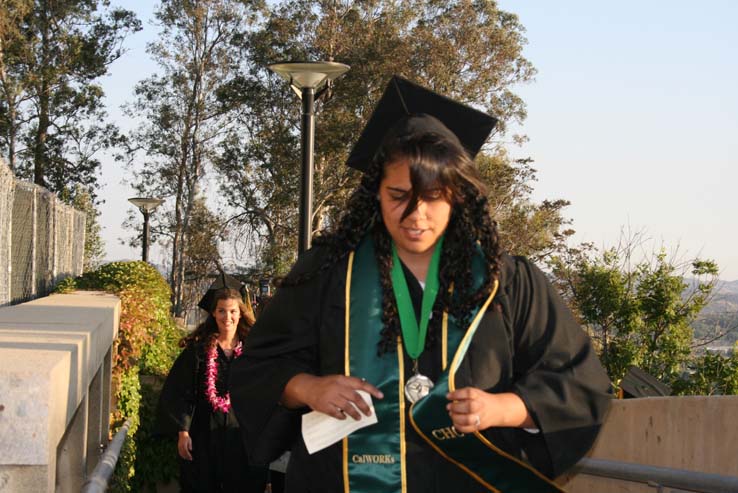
(374, 458)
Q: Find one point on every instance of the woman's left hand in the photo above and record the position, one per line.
(472, 409)
(468, 409)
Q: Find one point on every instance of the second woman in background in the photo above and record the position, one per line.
(195, 400)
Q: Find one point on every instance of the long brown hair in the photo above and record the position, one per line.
(209, 328)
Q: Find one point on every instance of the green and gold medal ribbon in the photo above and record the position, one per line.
(414, 333)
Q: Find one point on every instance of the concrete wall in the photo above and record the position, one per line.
(695, 433)
(55, 363)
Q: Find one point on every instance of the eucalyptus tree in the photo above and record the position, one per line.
(469, 50)
(53, 56)
(12, 85)
(182, 119)
(536, 230)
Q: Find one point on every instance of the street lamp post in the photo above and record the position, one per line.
(146, 205)
(308, 80)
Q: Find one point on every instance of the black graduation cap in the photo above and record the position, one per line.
(221, 282)
(638, 383)
(402, 99)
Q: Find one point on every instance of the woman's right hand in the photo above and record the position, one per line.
(334, 395)
(184, 445)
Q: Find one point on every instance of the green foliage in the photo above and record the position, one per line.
(201, 255)
(183, 122)
(711, 374)
(417, 39)
(158, 356)
(525, 227)
(146, 345)
(66, 285)
(145, 304)
(128, 402)
(94, 244)
(116, 276)
(638, 315)
(156, 459)
(52, 116)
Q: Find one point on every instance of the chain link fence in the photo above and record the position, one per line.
(41, 240)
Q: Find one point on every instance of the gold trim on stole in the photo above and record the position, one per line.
(464, 340)
(452, 386)
(444, 341)
(444, 335)
(346, 363)
(403, 445)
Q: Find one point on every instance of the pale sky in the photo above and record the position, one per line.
(633, 117)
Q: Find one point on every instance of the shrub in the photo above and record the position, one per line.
(157, 357)
(156, 459)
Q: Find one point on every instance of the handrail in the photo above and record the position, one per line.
(701, 482)
(98, 480)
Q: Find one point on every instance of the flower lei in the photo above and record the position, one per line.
(218, 403)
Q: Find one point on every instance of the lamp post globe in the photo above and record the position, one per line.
(308, 80)
(146, 205)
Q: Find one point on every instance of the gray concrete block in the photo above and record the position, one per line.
(52, 352)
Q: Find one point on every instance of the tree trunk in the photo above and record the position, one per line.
(189, 174)
(174, 280)
(12, 134)
(39, 151)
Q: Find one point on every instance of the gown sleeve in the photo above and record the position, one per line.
(178, 395)
(282, 343)
(557, 373)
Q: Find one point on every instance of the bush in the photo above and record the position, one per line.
(156, 459)
(128, 398)
(157, 357)
(146, 345)
(710, 374)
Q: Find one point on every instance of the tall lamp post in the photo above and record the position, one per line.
(146, 205)
(308, 80)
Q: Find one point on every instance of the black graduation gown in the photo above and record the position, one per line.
(219, 458)
(531, 345)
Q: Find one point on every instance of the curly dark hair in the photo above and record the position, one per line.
(436, 161)
(206, 332)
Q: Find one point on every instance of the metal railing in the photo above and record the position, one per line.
(98, 480)
(659, 477)
(654, 476)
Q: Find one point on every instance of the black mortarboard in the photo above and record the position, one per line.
(221, 282)
(402, 99)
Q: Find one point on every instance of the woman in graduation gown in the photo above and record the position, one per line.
(480, 377)
(195, 400)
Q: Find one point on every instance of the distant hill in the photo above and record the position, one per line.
(728, 287)
(720, 315)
